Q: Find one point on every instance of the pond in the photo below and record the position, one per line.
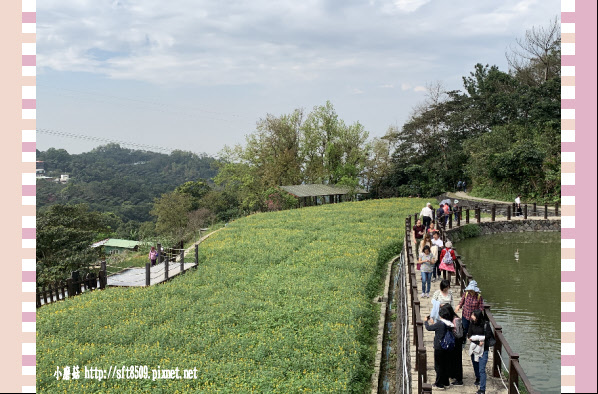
(519, 274)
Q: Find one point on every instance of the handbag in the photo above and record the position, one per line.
(419, 266)
(490, 335)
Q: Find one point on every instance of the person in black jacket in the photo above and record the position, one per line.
(442, 358)
(456, 356)
(478, 326)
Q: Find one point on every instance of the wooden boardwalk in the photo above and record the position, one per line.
(493, 385)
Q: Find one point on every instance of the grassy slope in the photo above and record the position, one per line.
(280, 303)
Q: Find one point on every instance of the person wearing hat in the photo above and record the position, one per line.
(470, 301)
(447, 259)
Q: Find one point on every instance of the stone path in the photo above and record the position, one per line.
(493, 385)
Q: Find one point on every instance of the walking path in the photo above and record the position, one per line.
(135, 277)
(465, 196)
(493, 385)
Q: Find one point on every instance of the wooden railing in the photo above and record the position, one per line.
(464, 214)
(462, 279)
(418, 325)
(61, 290)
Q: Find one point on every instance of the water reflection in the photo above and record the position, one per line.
(519, 275)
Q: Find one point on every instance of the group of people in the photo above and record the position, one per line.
(451, 333)
(436, 261)
(462, 186)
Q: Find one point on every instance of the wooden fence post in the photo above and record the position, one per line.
(545, 211)
(69, 287)
(104, 279)
(467, 216)
(147, 274)
(509, 212)
(525, 211)
(160, 257)
(556, 209)
(182, 260)
(459, 211)
(38, 300)
(196, 255)
(513, 376)
(534, 211)
(166, 269)
(493, 212)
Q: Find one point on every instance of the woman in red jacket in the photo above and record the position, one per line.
(447, 260)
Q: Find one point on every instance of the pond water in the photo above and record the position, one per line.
(519, 275)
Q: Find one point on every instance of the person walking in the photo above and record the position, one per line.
(447, 212)
(479, 333)
(518, 210)
(456, 210)
(456, 370)
(436, 249)
(153, 255)
(459, 186)
(426, 214)
(442, 357)
(464, 187)
(427, 265)
(445, 295)
(471, 300)
(447, 260)
(418, 234)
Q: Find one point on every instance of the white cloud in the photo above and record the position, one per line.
(420, 89)
(410, 5)
(357, 91)
(405, 86)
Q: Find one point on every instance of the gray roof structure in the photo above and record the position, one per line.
(318, 190)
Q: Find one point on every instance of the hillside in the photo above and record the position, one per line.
(114, 179)
(281, 302)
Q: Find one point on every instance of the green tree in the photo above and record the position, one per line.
(63, 240)
(171, 211)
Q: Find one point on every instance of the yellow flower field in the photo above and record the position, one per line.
(280, 302)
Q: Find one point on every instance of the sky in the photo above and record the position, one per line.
(197, 75)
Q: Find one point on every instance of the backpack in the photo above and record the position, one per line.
(448, 258)
(458, 330)
(448, 341)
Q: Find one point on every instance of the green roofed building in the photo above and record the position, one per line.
(114, 245)
(315, 194)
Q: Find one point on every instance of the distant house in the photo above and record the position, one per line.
(39, 169)
(114, 245)
(64, 178)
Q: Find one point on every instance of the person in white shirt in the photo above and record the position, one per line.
(437, 246)
(518, 205)
(426, 215)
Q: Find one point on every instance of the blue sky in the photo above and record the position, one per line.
(196, 75)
